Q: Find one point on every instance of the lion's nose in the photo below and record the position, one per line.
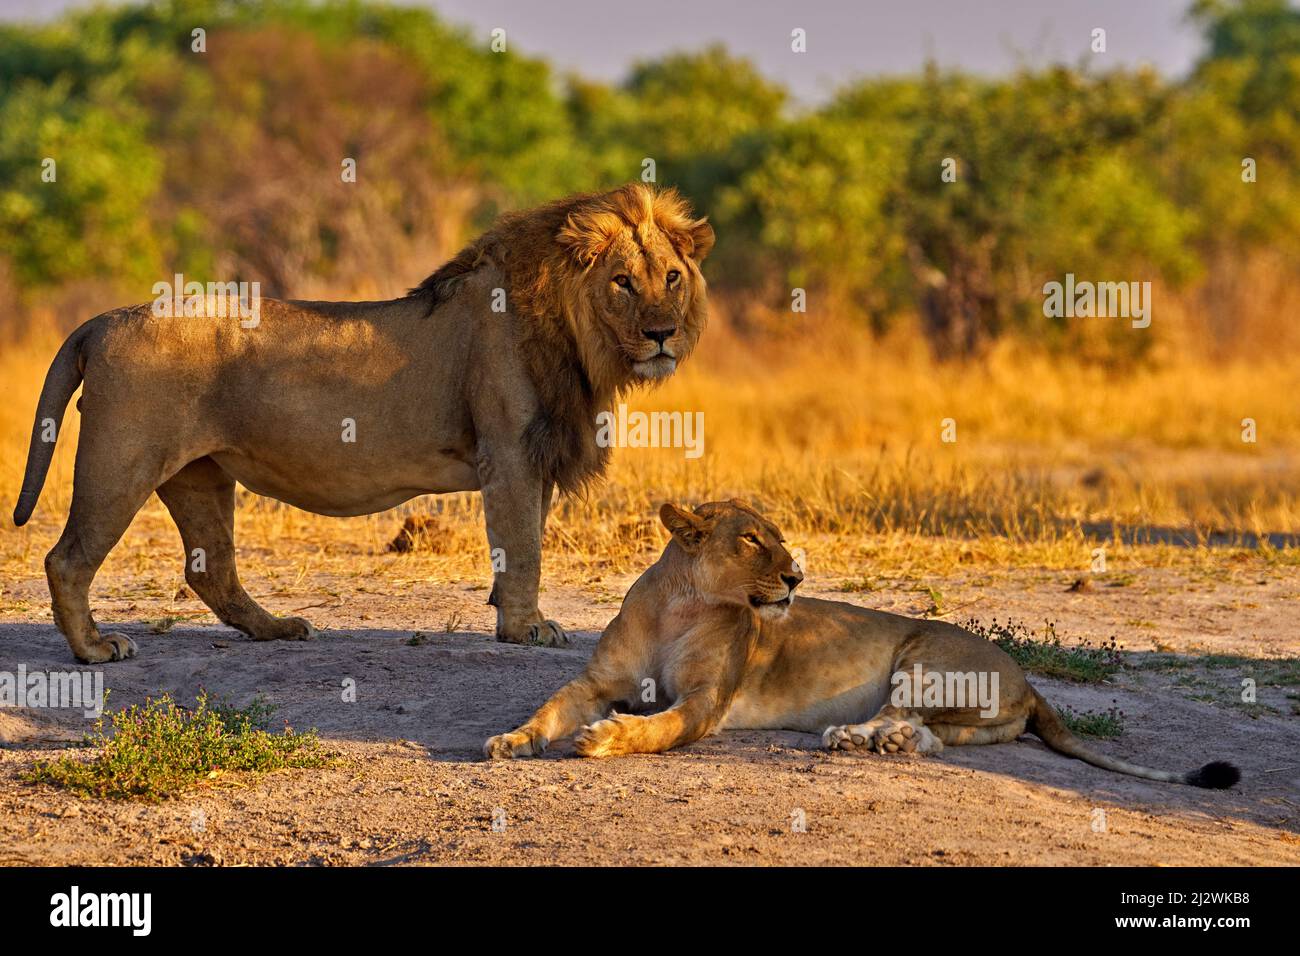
(792, 581)
(660, 336)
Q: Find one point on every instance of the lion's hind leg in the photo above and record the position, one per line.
(893, 730)
(948, 688)
(967, 735)
(109, 486)
(201, 499)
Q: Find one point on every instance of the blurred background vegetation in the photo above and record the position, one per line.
(925, 301)
(226, 165)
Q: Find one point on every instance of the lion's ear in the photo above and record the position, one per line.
(689, 530)
(587, 235)
(702, 237)
(691, 239)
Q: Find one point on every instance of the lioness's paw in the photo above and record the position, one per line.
(895, 738)
(601, 739)
(109, 647)
(514, 744)
(883, 737)
(847, 737)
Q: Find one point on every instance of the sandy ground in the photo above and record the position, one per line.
(412, 788)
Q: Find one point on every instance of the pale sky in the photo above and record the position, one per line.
(846, 38)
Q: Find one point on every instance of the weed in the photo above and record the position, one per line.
(1106, 724)
(159, 749)
(1083, 663)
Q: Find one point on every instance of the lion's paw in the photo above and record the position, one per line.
(882, 737)
(846, 737)
(287, 629)
(538, 634)
(514, 744)
(548, 634)
(894, 738)
(109, 647)
(604, 738)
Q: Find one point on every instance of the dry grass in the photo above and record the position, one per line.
(839, 440)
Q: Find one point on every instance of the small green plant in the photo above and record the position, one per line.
(159, 749)
(1105, 724)
(1083, 664)
(257, 715)
(857, 585)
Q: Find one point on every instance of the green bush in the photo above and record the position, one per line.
(158, 750)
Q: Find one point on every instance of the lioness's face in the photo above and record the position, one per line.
(643, 292)
(738, 556)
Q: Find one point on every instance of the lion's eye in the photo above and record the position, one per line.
(622, 281)
(752, 539)
(673, 276)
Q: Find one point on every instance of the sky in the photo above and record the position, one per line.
(846, 38)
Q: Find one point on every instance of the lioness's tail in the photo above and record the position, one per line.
(1047, 724)
(60, 382)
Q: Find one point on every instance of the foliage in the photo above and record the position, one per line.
(225, 163)
(159, 749)
(1103, 724)
(1046, 655)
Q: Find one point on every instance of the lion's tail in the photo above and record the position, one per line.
(1047, 724)
(60, 382)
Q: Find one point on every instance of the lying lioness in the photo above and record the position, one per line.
(712, 627)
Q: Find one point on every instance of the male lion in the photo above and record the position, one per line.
(714, 626)
(489, 375)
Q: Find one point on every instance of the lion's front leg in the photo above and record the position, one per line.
(576, 703)
(691, 718)
(512, 504)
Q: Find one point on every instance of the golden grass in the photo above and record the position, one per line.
(838, 438)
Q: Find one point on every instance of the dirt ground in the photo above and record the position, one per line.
(413, 789)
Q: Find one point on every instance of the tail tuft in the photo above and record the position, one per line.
(1214, 776)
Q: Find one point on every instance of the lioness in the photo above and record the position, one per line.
(714, 626)
(488, 376)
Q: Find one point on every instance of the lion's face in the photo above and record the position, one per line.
(639, 254)
(641, 295)
(737, 556)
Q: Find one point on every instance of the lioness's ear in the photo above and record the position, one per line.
(689, 530)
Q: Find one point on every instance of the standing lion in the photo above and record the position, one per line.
(487, 376)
